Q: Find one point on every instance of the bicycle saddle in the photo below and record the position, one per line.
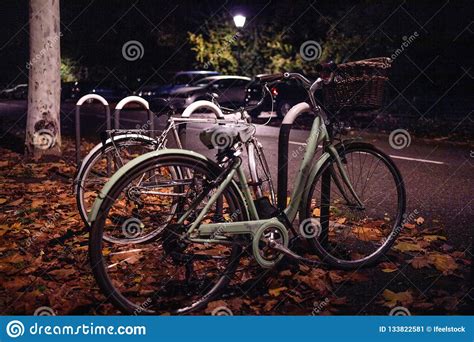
(225, 136)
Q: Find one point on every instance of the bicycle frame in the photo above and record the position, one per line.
(318, 134)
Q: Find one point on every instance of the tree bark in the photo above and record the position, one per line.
(43, 133)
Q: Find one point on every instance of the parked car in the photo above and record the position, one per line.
(285, 95)
(18, 92)
(180, 79)
(229, 89)
(110, 92)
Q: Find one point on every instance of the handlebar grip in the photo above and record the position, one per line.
(326, 67)
(269, 77)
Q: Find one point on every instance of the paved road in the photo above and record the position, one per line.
(439, 176)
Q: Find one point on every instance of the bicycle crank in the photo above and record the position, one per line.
(284, 250)
(264, 254)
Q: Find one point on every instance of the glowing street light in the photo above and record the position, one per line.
(239, 20)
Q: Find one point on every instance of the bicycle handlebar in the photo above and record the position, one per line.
(321, 68)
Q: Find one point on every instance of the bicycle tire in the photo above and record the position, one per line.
(96, 241)
(316, 244)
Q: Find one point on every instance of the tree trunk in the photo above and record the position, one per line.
(43, 134)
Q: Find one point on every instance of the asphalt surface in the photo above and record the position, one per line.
(438, 175)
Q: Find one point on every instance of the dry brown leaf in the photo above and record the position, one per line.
(36, 203)
(3, 200)
(393, 298)
(431, 238)
(408, 247)
(388, 267)
(16, 203)
(367, 234)
(409, 225)
(285, 273)
(420, 262)
(443, 262)
(277, 291)
(270, 304)
(336, 277)
(62, 273)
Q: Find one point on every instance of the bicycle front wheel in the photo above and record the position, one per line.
(342, 233)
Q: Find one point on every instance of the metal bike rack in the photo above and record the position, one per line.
(135, 99)
(282, 191)
(79, 103)
(283, 142)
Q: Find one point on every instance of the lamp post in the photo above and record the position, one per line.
(239, 21)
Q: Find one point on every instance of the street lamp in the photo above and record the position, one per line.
(239, 20)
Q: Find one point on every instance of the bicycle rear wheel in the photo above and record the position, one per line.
(339, 232)
(169, 274)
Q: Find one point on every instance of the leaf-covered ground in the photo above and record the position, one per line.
(43, 262)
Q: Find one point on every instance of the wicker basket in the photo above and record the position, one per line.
(357, 85)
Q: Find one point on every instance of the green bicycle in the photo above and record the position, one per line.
(350, 200)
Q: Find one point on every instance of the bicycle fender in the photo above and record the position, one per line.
(143, 158)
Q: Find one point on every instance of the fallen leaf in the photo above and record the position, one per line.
(285, 273)
(336, 277)
(270, 304)
(409, 225)
(3, 200)
(16, 203)
(277, 291)
(393, 298)
(36, 203)
(62, 273)
(420, 262)
(367, 234)
(431, 238)
(407, 247)
(388, 267)
(443, 263)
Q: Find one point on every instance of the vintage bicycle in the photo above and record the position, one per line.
(352, 196)
(122, 146)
